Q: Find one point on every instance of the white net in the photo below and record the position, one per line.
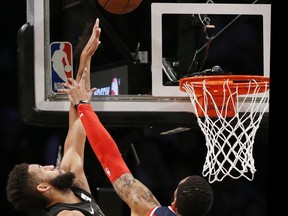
(229, 139)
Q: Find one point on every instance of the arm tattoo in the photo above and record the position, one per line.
(133, 192)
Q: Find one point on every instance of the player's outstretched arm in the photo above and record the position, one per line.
(135, 194)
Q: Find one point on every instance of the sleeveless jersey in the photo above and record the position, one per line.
(87, 206)
(162, 211)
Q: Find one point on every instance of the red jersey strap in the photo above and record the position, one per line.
(102, 143)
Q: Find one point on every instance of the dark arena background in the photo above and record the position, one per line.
(158, 160)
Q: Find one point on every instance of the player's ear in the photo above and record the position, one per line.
(43, 187)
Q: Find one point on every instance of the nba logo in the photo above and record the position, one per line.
(61, 63)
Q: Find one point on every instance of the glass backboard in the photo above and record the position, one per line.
(132, 60)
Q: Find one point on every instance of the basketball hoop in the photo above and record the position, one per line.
(229, 109)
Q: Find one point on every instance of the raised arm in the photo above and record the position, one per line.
(73, 155)
(136, 195)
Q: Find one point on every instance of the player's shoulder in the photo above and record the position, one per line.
(162, 211)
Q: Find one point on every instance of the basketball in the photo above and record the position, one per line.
(119, 6)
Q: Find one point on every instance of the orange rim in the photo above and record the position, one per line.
(215, 82)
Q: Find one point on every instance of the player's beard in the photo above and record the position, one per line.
(64, 181)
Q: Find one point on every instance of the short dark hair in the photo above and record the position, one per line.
(21, 190)
(194, 197)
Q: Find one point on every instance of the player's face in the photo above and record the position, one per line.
(175, 192)
(45, 172)
(56, 177)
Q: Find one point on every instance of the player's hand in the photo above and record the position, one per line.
(77, 91)
(94, 40)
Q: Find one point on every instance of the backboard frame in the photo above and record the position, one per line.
(135, 110)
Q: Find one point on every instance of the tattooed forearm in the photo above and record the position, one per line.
(133, 192)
